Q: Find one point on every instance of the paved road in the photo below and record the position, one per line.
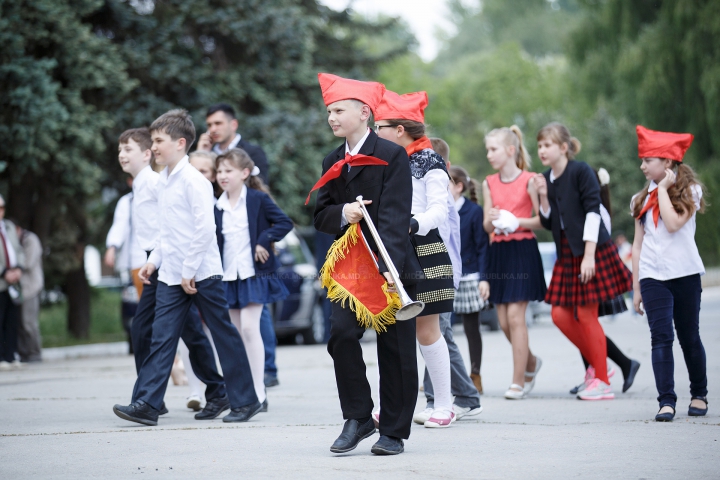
(57, 422)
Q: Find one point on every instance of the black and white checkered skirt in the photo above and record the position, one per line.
(437, 291)
(467, 297)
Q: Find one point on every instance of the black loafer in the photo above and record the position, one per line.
(139, 412)
(264, 406)
(243, 414)
(665, 417)
(163, 410)
(388, 446)
(353, 433)
(213, 408)
(634, 367)
(698, 412)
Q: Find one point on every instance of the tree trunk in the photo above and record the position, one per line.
(78, 295)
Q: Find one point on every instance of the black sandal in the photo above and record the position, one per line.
(698, 412)
(667, 416)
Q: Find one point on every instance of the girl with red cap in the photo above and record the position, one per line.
(667, 265)
(588, 270)
(400, 119)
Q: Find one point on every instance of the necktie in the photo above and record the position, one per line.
(335, 171)
(652, 203)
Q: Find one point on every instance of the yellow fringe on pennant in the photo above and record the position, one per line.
(338, 293)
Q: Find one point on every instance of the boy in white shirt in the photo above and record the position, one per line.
(135, 156)
(190, 272)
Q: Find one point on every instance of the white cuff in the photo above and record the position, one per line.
(544, 213)
(592, 227)
(343, 220)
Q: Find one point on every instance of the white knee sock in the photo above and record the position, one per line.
(247, 322)
(196, 386)
(437, 360)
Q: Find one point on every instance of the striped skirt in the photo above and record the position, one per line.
(437, 290)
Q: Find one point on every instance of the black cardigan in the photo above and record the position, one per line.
(572, 195)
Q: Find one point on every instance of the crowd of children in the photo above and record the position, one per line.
(211, 265)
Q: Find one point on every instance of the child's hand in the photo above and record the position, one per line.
(261, 255)
(637, 300)
(391, 288)
(146, 272)
(587, 269)
(493, 213)
(668, 181)
(110, 257)
(353, 212)
(188, 284)
(484, 289)
(540, 184)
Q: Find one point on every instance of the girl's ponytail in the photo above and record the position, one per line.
(460, 175)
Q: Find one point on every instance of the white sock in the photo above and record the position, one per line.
(196, 386)
(247, 322)
(437, 361)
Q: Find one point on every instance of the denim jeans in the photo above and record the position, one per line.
(267, 332)
(171, 308)
(677, 299)
(466, 395)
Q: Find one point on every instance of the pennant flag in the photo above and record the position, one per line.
(351, 275)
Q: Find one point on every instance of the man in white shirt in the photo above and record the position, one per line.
(12, 262)
(190, 272)
(134, 156)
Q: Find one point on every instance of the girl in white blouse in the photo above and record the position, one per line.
(667, 265)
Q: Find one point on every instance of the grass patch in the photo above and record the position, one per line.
(105, 321)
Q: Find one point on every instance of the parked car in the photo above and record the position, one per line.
(299, 316)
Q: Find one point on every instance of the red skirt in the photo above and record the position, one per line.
(612, 277)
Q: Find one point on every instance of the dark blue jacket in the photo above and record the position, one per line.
(473, 240)
(267, 224)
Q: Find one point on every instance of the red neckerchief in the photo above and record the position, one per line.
(654, 204)
(335, 171)
(418, 145)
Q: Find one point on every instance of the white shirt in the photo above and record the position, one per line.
(666, 255)
(216, 148)
(123, 237)
(591, 230)
(12, 257)
(459, 203)
(145, 207)
(430, 200)
(237, 252)
(354, 151)
(450, 234)
(187, 246)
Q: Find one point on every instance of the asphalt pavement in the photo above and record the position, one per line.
(57, 421)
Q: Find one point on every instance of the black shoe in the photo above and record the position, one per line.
(264, 406)
(271, 381)
(163, 410)
(388, 446)
(698, 412)
(243, 414)
(352, 434)
(577, 388)
(213, 408)
(634, 367)
(139, 412)
(665, 417)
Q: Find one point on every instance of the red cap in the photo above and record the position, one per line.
(336, 88)
(410, 106)
(662, 144)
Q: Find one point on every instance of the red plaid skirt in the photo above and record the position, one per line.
(612, 277)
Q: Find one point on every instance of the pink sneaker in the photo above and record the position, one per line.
(440, 418)
(597, 390)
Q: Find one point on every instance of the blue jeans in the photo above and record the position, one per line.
(677, 299)
(267, 332)
(202, 358)
(466, 395)
(171, 307)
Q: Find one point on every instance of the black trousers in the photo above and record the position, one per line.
(9, 316)
(202, 358)
(172, 307)
(397, 362)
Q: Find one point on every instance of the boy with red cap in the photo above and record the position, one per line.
(379, 171)
(667, 265)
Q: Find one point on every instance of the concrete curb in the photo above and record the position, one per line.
(114, 349)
